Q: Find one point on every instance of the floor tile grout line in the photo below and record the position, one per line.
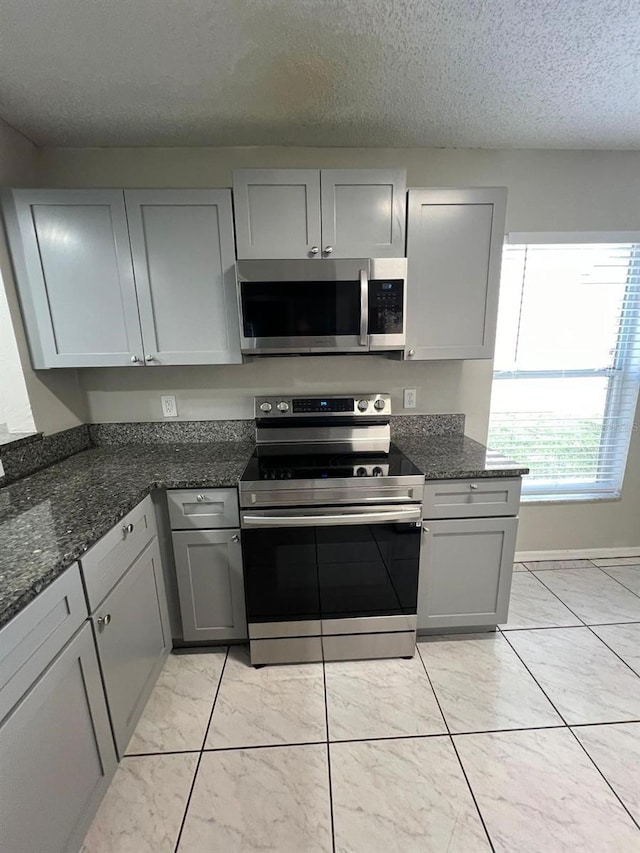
(433, 689)
(613, 651)
(473, 796)
(162, 752)
(515, 651)
(472, 792)
(613, 790)
(623, 585)
(201, 753)
(326, 721)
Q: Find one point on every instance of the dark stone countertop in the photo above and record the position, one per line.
(48, 520)
(456, 457)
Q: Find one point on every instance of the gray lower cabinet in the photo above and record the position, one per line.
(133, 639)
(56, 754)
(466, 566)
(210, 584)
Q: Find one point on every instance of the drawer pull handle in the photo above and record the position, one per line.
(103, 621)
(235, 538)
(473, 486)
(127, 528)
(200, 498)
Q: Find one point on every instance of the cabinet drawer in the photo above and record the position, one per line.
(471, 498)
(204, 508)
(35, 636)
(105, 563)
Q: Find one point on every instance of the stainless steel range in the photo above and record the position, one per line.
(331, 513)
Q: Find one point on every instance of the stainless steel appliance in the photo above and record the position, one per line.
(331, 517)
(322, 306)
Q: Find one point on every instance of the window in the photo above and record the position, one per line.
(567, 362)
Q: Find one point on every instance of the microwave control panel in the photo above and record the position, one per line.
(386, 305)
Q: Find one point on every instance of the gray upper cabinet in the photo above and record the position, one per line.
(75, 253)
(183, 256)
(454, 252)
(277, 213)
(333, 213)
(363, 213)
(73, 269)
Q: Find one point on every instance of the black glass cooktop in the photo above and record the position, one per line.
(328, 466)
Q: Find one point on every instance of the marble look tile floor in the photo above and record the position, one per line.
(524, 740)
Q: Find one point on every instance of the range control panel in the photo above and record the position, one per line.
(357, 405)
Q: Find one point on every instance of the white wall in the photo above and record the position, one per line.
(15, 409)
(548, 190)
(55, 399)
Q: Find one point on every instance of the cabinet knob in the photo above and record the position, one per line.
(425, 529)
(314, 250)
(103, 621)
(135, 359)
(411, 353)
(200, 498)
(328, 250)
(150, 358)
(127, 528)
(235, 538)
(473, 486)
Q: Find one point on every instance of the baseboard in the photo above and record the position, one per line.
(576, 554)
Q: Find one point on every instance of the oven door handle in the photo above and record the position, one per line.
(320, 518)
(364, 309)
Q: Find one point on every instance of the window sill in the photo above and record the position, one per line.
(545, 500)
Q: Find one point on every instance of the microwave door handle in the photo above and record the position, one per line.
(364, 309)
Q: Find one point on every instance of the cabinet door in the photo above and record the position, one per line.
(210, 584)
(454, 252)
(465, 572)
(57, 755)
(363, 213)
(183, 258)
(133, 639)
(73, 269)
(277, 213)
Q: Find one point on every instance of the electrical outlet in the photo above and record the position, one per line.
(410, 395)
(169, 407)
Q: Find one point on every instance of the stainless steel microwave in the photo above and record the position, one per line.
(351, 305)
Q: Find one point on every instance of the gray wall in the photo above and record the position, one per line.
(548, 190)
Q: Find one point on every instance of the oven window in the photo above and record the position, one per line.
(299, 309)
(331, 572)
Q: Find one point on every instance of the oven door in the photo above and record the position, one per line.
(302, 306)
(323, 566)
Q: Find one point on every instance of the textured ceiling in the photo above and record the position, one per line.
(451, 73)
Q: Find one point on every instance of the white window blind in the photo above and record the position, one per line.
(567, 362)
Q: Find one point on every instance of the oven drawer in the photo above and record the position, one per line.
(203, 508)
(488, 496)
